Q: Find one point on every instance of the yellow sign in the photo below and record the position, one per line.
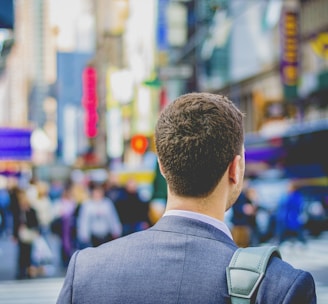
(290, 48)
(320, 45)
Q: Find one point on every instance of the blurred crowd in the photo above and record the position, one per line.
(293, 218)
(87, 213)
(80, 214)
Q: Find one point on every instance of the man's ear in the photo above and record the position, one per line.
(235, 170)
(160, 168)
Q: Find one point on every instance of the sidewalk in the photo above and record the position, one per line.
(35, 291)
(8, 257)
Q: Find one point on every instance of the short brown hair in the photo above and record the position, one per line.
(196, 138)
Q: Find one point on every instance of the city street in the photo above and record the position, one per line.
(8, 253)
(36, 291)
(160, 105)
(312, 257)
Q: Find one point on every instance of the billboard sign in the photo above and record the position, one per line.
(289, 63)
(15, 144)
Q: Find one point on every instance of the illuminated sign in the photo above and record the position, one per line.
(162, 39)
(15, 144)
(290, 48)
(90, 101)
(320, 44)
(115, 145)
(139, 143)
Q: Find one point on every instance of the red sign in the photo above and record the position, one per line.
(139, 143)
(90, 101)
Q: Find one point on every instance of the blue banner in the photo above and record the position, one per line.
(15, 144)
(162, 39)
(7, 14)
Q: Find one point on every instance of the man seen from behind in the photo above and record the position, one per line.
(183, 257)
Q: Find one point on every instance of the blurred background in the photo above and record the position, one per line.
(82, 83)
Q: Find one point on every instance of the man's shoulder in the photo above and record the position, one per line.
(282, 283)
(278, 266)
(283, 280)
(125, 241)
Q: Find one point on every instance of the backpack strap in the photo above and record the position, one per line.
(246, 270)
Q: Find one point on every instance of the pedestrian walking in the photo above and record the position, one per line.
(290, 216)
(63, 223)
(132, 210)
(26, 230)
(4, 207)
(43, 207)
(243, 219)
(98, 221)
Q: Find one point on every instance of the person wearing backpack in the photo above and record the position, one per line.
(185, 256)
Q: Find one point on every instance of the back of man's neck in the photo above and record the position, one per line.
(198, 205)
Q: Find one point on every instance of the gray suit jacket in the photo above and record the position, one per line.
(178, 260)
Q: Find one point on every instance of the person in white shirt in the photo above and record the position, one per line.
(98, 221)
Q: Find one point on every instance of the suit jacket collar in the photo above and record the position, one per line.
(188, 226)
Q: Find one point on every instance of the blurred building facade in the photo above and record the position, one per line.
(268, 56)
(91, 76)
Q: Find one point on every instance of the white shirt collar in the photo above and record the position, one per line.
(201, 217)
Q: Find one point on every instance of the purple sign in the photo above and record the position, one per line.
(15, 144)
(266, 154)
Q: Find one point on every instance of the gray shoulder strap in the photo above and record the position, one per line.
(246, 270)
